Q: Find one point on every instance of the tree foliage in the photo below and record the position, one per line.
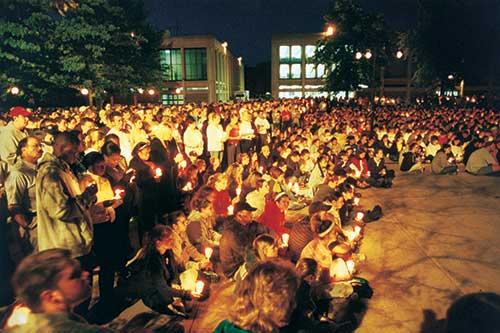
(106, 46)
(355, 30)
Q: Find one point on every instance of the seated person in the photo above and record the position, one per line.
(482, 161)
(274, 284)
(274, 213)
(411, 159)
(379, 175)
(201, 224)
(51, 283)
(443, 163)
(237, 238)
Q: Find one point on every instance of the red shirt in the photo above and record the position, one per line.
(273, 218)
(221, 202)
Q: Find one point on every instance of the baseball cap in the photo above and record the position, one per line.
(243, 205)
(16, 111)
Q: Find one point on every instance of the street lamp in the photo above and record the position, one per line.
(358, 55)
(330, 30)
(140, 91)
(240, 60)
(368, 55)
(151, 91)
(14, 90)
(450, 77)
(399, 54)
(84, 91)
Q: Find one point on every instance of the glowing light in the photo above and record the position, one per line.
(350, 266)
(330, 30)
(119, 194)
(183, 164)
(224, 45)
(230, 210)
(158, 173)
(178, 90)
(240, 60)
(359, 216)
(285, 238)
(14, 90)
(84, 91)
(208, 252)
(356, 201)
(140, 91)
(18, 317)
(261, 169)
(358, 55)
(151, 92)
(188, 187)
(199, 287)
(399, 54)
(368, 55)
(450, 77)
(132, 34)
(238, 191)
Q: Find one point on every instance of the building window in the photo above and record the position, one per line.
(196, 64)
(310, 50)
(296, 54)
(290, 94)
(295, 71)
(171, 64)
(320, 71)
(284, 71)
(284, 54)
(169, 99)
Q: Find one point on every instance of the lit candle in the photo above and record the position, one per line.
(238, 191)
(359, 216)
(198, 289)
(18, 317)
(357, 229)
(158, 173)
(261, 169)
(119, 194)
(188, 187)
(356, 201)
(230, 210)
(132, 179)
(183, 164)
(208, 252)
(285, 237)
(450, 160)
(350, 266)
(179, 156)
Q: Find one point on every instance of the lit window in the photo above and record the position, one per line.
(196, 64)
(320, 71)
(296, 53)
(295, 71)
(284, 71)
(310, 50)
(171, 65)
(284, 53)
(310, 71)
(289, 94)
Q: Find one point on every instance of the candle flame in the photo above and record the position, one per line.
(19, 316)
(199, 287)
(285, 237)
(208, 252)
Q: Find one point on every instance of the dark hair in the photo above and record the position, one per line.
(110, 148)
(92, 158)
(478, 312)
(22, 144)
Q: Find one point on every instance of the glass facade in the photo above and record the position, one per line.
(169, 99)
(171, 64)
(290, 61)
(196, 64)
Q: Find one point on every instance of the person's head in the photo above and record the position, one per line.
(51, 281)
(307, 269)
(179, 221)
(20, 117)
(265, 246)
(142, 150)
(478, 312)
(265, 150)
(379, 154)
(161, 239)
(115, 120)
(323, 226)
(266, 298)
(112, 154)
(282, 201)
(220, 181)
(112, 138)
(86, 124)
(446, 148)
(243, 212)
(29, 149)
(66, 147)
(94, 162)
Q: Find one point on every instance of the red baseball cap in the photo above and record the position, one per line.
(16, 111)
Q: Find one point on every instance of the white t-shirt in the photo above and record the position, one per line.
(215, 137)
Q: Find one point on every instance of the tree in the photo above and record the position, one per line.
(355, 31)
(455, 39)
(106, 46)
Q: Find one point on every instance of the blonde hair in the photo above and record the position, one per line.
(265, 299)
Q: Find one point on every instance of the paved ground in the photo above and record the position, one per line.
(439, 239)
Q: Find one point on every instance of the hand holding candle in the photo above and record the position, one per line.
(230, 210)
(238, 191)
(119, 194)
(158, 173)
(208, 252)
(360, 216)
(285, 238)
(356, 201)
(198, 289)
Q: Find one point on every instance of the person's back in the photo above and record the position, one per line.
(478, 160)
(439, 162)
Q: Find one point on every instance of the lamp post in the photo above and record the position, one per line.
(86, 92)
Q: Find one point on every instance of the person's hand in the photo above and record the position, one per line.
(117, 203)
(99, 214)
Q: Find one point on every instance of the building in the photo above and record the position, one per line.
(199, 68)
(293, 73)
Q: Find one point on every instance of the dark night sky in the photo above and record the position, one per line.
(247, 25)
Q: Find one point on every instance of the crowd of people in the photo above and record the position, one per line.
(160, 202)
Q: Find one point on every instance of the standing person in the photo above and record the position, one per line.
(246, 132)
(21, 197)
(13, 133)
(215, 136)
(51, 283)
(263, 126)
(116, 123)
(193, 138)
(233, 140)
